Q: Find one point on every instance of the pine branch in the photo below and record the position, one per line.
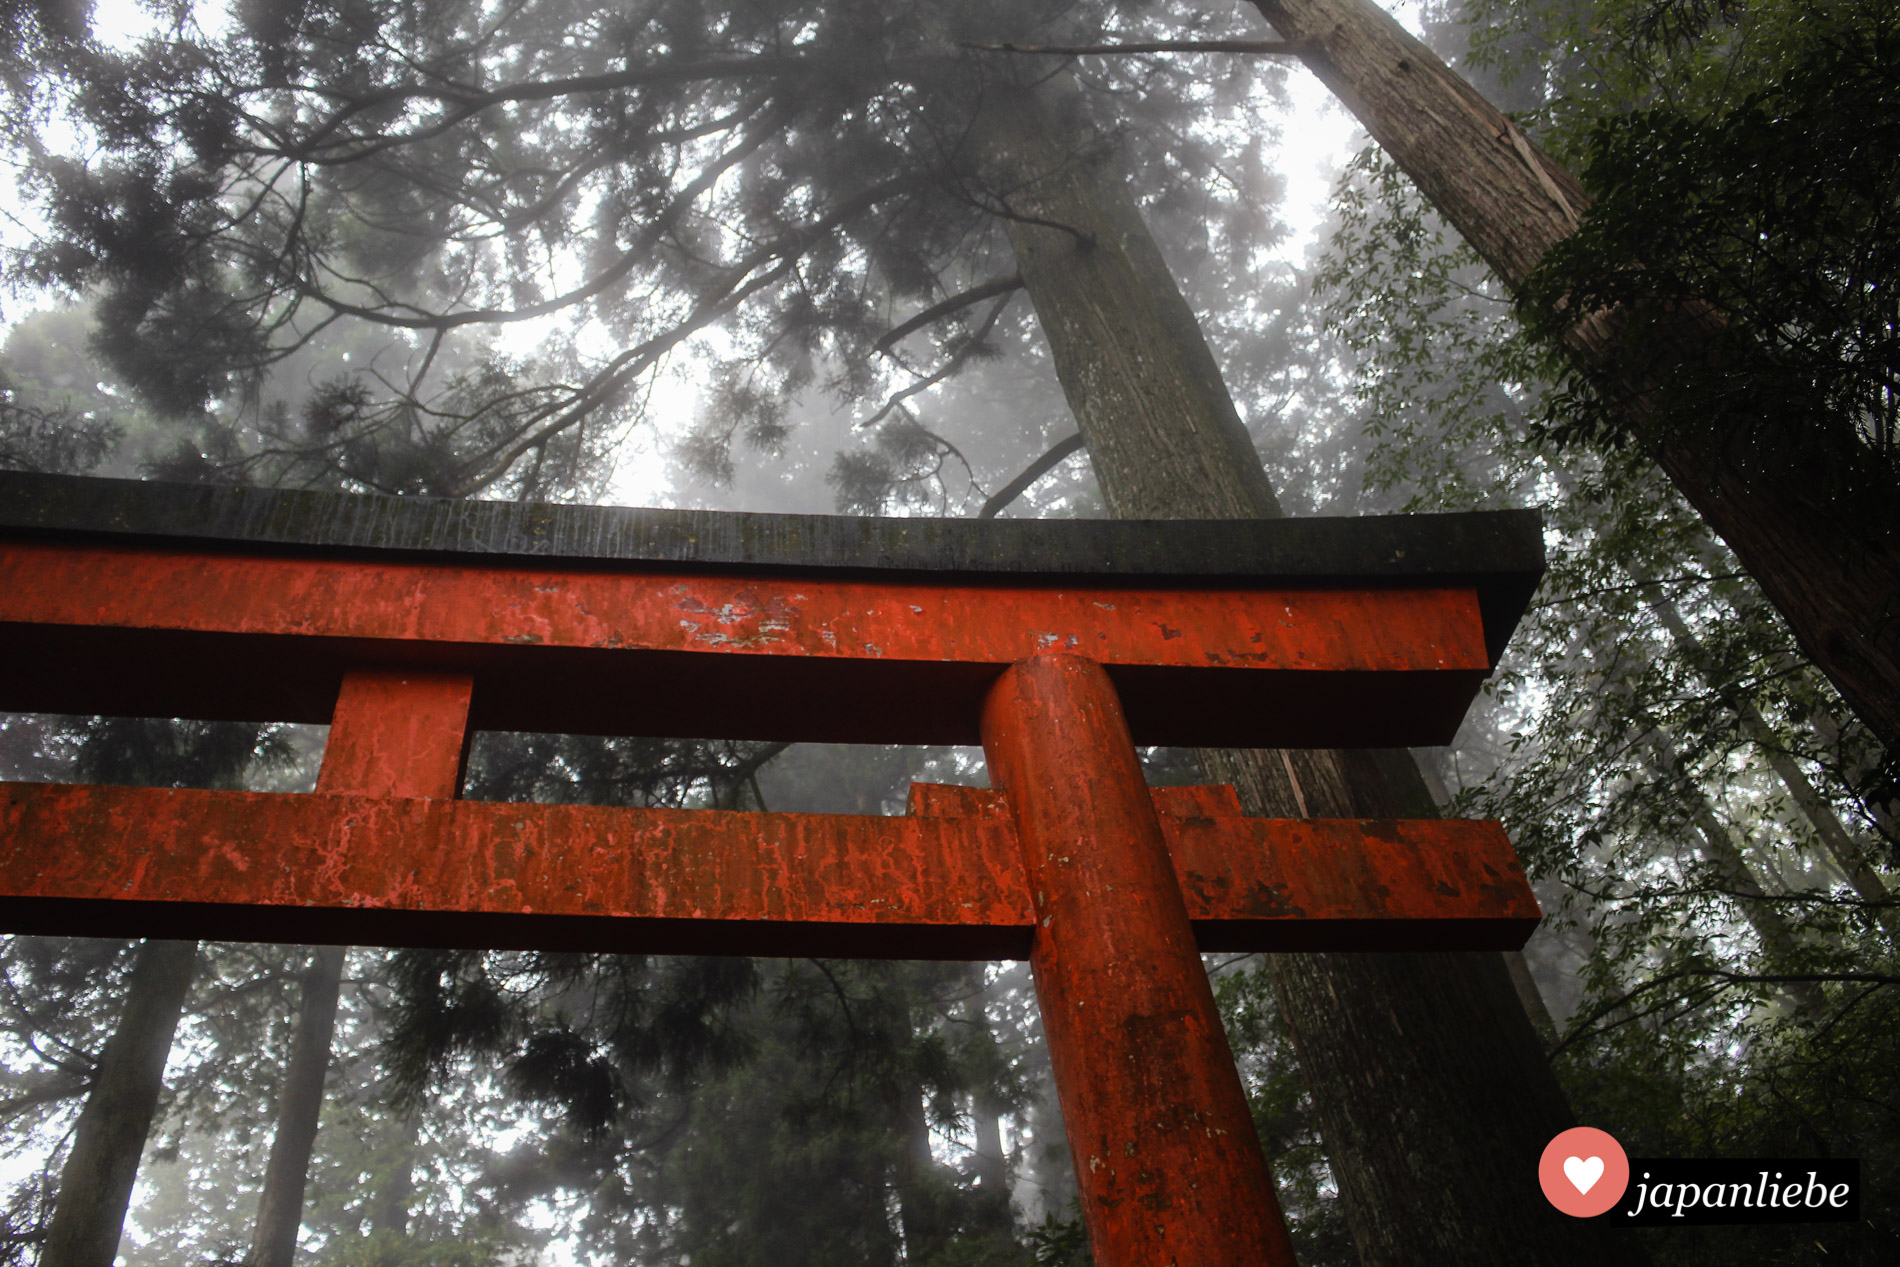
(640, 252)
(49, 1091)
(464, 101)
(727, 292)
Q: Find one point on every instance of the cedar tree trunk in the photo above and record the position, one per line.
(1433, 1093)
(280, 1209)
(1829, 562)
(96, 1185)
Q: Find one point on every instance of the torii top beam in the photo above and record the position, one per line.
(250, 604)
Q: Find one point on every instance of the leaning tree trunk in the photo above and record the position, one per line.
(95, 1187)
(1433, 1093)
(280, 1209)
(1829, 561)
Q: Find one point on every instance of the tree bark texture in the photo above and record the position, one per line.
(280, 1208)
(95, 1186)
(1162, 431)
(1829, 563)
(1433, 1093)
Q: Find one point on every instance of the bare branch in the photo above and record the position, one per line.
(729, 290)
(1286, 48)
(747, 772)
(1030, 474)
(629, 259)
(956, 303)
(950, 366)
(464, 101)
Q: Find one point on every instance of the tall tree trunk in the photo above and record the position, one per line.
(991, 1166)
(280, 1209)
(989, 1207)
(1830, 562)
(1434, 1096)
(96, 1185)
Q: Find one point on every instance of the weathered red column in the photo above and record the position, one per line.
(1165, 1151)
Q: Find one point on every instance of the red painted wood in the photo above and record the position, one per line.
(1313, 630)
(1166, 1157)
(398, 732)
(1320, 883)
(1111, 890)
(174, 632)
(946, 884)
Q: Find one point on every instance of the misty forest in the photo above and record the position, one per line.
(1036, 259)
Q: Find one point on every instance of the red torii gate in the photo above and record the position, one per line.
(406, 624)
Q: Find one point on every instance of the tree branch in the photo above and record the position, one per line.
(951, 366)
(1587, 1027)
(1030, 474)
(466, 100)
(1288, 48)
(996, 286)
(747, 770)
(729, 290)
(632, 257)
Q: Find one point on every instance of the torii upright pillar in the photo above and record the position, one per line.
(1060, 646)
(1165, 1152)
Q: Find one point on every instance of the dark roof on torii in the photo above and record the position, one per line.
(1499, 552)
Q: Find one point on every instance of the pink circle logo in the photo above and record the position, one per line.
(1584, 1172)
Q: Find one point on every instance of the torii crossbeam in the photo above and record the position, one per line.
(406, 624)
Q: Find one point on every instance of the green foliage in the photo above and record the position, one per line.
(55, 996)
(1767, 206)
(1061, 1242)
(1694, 803)
(37, 438)
(55, 414)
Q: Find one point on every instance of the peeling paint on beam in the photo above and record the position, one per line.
(944, 884)
(162, 631)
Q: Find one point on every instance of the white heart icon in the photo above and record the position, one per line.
(1583, 1172)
